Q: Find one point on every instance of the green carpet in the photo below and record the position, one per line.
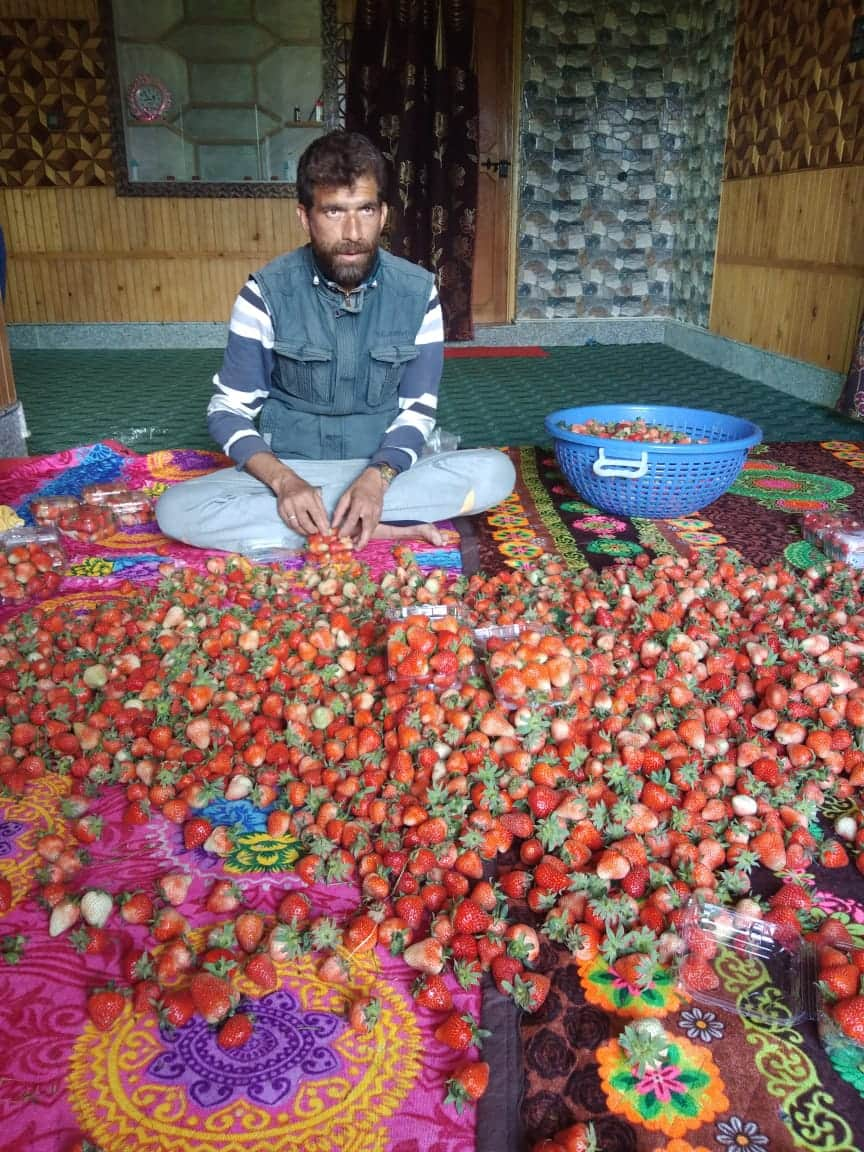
(157, 398)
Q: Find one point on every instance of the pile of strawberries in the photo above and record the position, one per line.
(711, 710)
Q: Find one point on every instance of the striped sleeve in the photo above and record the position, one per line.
(241, 386)
(418, 394)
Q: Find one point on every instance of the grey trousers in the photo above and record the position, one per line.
(231, 511)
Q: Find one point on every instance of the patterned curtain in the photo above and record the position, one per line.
(412, 89)
(851, 402)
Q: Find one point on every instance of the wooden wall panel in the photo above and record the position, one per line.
(789, 272)
(87, 256)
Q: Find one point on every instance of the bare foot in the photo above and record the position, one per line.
(428, 532)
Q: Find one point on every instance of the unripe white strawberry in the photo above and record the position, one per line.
(846, 827)
(96, 906)
(63, 916)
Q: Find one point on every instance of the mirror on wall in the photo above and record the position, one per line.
(220, 97)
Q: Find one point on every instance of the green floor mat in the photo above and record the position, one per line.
(157, 398)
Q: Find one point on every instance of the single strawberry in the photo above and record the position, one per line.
(168, 924)
(364, 1013)
(195, 832)
(469, 1081)
(63, 916)
(224, 896)
(469, 917)
(211, 995)
(135, 907)
(849, 1014)
(175, 1007)
(96, 907)
(840, 981)
(425, 955)
(698, 975)
(174, 886)
(105, 1006)
(460, 1032)
(89, 941)
(294, 907)
(832, 854)
(529, 990)
(432, 992)
(360, 934)
(249, 929)
(505, 969)
(236, 1031)
(261, 970)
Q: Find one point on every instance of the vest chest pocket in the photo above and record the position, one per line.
(386, 364)
(305, 371)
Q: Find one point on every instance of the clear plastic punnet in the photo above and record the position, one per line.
(429, 645)
(98, 493)
(528, 664)
(87, 523)
(130, 509)
(47, 510)
(753, 968)
(31, 562)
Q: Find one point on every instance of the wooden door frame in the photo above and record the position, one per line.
(518, 16)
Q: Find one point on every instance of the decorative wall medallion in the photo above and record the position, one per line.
(149, 99)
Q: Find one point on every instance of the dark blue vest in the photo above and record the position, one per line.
(339, 357)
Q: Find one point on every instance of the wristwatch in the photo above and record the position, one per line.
(387, 473)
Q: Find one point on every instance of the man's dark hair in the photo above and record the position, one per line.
(338, 160)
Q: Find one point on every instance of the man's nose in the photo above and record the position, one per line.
(351, 226)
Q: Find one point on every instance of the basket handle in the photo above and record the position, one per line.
(614, 466)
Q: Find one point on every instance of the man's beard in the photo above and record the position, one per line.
(346, 276)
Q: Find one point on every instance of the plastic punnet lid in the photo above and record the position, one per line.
(40, 535)
(759, 970)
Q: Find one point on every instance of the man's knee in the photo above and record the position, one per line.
(172, 512)
(495, 478)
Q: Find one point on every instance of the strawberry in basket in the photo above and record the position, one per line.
(434, 649)
(533, 666)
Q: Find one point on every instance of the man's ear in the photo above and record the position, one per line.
(385, 211)
(303, 218)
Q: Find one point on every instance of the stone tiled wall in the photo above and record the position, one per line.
(622, 145)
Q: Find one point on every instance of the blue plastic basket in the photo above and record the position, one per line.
(654, 481)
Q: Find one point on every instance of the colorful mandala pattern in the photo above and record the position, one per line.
(605, 987)
(684, 1093)
(304, 1081)
(781, 487)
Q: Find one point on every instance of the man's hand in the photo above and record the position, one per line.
(358, 512)
(298, 503)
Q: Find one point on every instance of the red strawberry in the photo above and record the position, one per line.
(840, 980)
(460, 1032)
(173, 887)
(849, 1014)
(698, 975)
(426, 956)
(432, 992)
(211, 995)
(791, 895)
(261, 970)
(469, 1081)
(249, 928)
(105, 1006)
(364, 1013)
(176, 1007)
(515, 884)
(529, 990)
(196, 831)
(168, 924)
(471, 918)
(294, 906)
(832, 854)
(505, 969)
(136, 907)
(551, 877)
(224, 896)
(236, 1031)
